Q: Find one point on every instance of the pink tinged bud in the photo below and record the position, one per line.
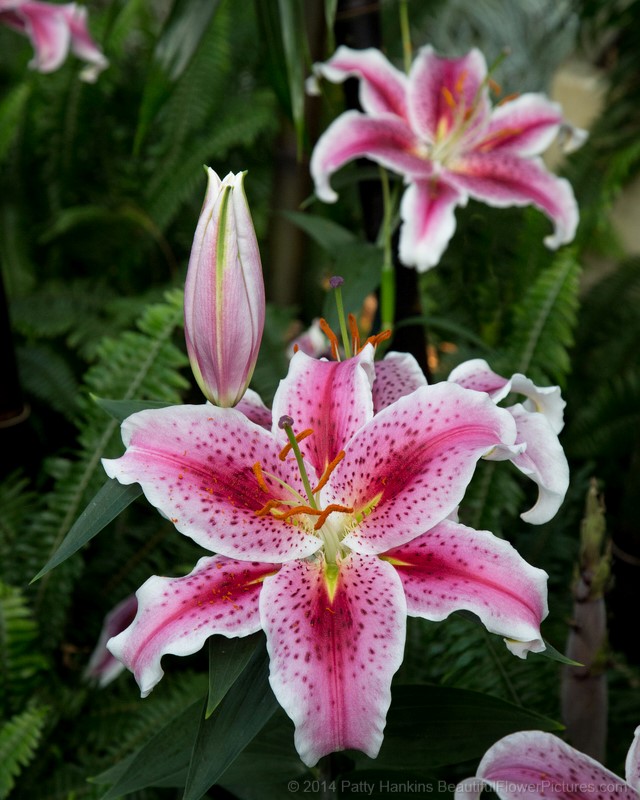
(224, 304)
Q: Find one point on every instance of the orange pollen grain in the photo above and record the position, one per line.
(257, 471)
(290, 512)
(324, 514)
(355, 333)
(333, 339)
(327, 472)
(299, 437)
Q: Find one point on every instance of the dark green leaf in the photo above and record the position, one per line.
(227, 659)
(110, 501)
(243, 712)
(433, 726)
(329, 235)
(162, 758)
(556, 655)
(121, 409)
(294, 41)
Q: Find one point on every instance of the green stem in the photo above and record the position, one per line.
(303, 472)
(388, 277)
(343, 322)
(406, 35)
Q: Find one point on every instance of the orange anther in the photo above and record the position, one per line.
(448, 98)
(333, 339)
(494, 86)
(290, 512)
(378, 337)
(508, 98)
(257, 471)
(266, 508)
(462, 77)
(296, 347)
(327, 472)
(299, 437)
(324, 514)
(355, 333)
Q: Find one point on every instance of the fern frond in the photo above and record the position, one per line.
(142, 364)
(19, 738)
(19, 661)
(544, 321)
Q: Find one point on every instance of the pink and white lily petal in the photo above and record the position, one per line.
(177, 615)
(254, 409)
(45, 26)
(452, 567)
(408, 468)
(532, 764)
(82, 45)
(397, 374)
(477, 374)
(331, 398)
(334, 648)
(543, 461)
(443, 90)
(427, 211)
(195, 465)
(526, 126)
(385, 139)
(502, 179)
(632, 762)
(104, 667)
(382, 87)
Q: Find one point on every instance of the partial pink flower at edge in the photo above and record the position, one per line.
(330, 585)
(53, 31)
(102, 666)
(436, 127)
(532, 764)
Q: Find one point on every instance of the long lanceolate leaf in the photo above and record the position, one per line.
(144, 363)
(296, 55)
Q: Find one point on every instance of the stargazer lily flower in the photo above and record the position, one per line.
(436, 127)
(533, 764)
(328, 530)
(54, 30)
(224, 304)
(538, 420)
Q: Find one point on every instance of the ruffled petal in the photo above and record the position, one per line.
(177, 615)
(452, 567)
(503, 179)
(332, 398)
(385, 139)
(382, 87)
(427, 213)
(334, 650)
(444, 91)
(543, 461)
(532, 764)
(408, 468)
(82, 45)
(525, 126)
(632, 763)
(476, 374)
(195, 465)
(397, 374)
(48, 30)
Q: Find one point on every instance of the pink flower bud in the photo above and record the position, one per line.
(224, 305)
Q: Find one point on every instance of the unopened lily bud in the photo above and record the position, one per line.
(224, 304)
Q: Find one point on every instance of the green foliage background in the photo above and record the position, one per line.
(101, 186)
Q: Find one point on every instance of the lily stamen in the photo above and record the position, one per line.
(377, 338)
(333, 339)
(257, 471)
(328, 510)
(266, 508)
(288, 447)
(290, 512)
(355, 333)
(327, 472)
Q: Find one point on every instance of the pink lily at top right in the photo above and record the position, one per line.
(437, 128)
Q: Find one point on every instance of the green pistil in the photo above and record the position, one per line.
(406, 35)
(303, 472)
